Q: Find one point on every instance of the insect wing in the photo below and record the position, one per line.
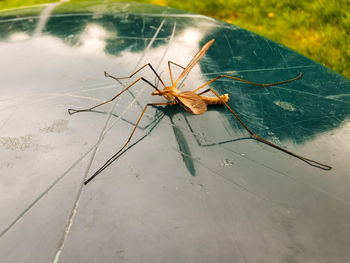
(192, 102)
(195, 60)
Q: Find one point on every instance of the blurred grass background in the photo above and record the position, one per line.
(318, 29)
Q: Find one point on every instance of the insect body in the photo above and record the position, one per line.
(190, 101)
(194, 103)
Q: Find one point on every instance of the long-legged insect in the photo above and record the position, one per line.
(194, 103)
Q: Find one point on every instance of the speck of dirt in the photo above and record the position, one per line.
(227, 162)
(57, 126)
(23, 143)
(19, 143)
(285, 105)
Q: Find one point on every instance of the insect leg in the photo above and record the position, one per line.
(116, 155)
(171, 75)
(308, 161)
(72, 111)
(250, 82)
(148, 64)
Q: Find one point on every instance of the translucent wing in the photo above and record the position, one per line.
(195, 60)
(191, 102)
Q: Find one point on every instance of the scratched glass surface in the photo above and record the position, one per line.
(189, 188)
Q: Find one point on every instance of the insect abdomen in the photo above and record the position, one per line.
(215, 100)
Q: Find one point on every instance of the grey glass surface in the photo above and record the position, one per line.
(191, 188)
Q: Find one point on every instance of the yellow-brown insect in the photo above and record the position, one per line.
(192, 102)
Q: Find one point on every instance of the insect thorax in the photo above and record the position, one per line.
(169, 92)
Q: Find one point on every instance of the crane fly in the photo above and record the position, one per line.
(192, 102)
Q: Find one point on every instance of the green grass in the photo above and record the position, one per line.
(318, 29)
(9, 4)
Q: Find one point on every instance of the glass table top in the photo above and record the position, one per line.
(188, 188)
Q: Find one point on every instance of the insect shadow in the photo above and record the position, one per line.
(177, 115)
(192, 102)
(180, 134)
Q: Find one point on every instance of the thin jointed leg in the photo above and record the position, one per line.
(115, 156)
(148, 64)
(171, 75)
(308, 161)
(250, 82)
(72, 111)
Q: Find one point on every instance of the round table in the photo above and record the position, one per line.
(188, 188)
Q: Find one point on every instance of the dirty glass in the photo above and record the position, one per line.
(189, 188)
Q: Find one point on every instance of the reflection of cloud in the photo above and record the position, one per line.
(87, 58)
(93, 39)
(179, 50)
(191, 36)
(54, 59)
(20, 36)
